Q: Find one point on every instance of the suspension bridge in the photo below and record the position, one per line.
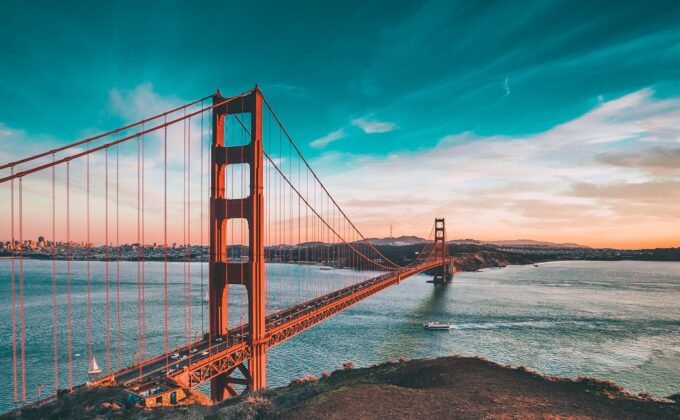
(221, 177)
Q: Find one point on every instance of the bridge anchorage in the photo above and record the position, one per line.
(319, 262)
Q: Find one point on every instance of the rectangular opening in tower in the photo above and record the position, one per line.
(237, 181)
(237, 129)
(237, 240)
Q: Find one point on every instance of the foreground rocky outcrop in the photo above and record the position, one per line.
(450, 387)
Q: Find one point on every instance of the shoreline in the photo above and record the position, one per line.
(496, 263)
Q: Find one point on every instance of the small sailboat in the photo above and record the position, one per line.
(94, 367)
(207, 296)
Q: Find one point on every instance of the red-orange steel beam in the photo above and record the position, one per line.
(217, 259)
(219, 363)
(222, 363)
(257, 366)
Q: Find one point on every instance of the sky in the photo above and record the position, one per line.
(548, 120)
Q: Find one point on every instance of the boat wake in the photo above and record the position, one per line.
(502, 325)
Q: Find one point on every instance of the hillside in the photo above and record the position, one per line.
(449, 387)
(399, 241)
(518, 243)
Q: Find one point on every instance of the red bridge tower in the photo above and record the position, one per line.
(250, 209)
(441, 251)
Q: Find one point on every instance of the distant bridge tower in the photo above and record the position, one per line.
(441, 251)
(250, 209)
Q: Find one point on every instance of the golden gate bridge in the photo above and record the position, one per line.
(257, 200)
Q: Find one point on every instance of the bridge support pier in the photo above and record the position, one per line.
(218, 387)
(250, 274)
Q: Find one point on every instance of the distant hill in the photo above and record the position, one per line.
(400, 241)
(519, 242)
(415, 240)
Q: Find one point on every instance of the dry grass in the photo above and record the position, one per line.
(252, 407)
(304, 379)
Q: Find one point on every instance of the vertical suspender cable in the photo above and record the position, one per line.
(201, 262)
(54, 284)
(190, 331)
(241, 240)
(21, 292)
(244, 238)
(142, 355)
(87, 246)
(14, 306)
(106, 258)
(165, 240)
(68, 276)
(184, 225)
(307, 236)
(290, 226)
(299, 235)
(139, 261)
(118, 349)
(187, 189)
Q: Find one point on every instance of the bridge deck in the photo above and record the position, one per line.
(203, 360)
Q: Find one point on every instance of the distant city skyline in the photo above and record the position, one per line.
(555, 121)
(45, 244)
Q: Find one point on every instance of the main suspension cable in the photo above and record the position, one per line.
(98, 136)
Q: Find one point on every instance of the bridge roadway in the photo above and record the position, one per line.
(202, 360)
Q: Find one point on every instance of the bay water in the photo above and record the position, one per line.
(613, 320)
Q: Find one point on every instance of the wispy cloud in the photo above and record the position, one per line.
(287, 89)
(140, 102)
(656, 161)
(329, 138)
(12, 141)
(373, 126)
(367, 126)
(600, 179)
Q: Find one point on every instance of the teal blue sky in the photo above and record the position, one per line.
(372, 81)
(431, 68)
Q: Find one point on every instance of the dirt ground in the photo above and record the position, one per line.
(471, 388)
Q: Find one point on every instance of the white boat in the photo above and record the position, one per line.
(207, 296)
(436, 325)
(94, 367)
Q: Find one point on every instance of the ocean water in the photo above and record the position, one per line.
(613, 320)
